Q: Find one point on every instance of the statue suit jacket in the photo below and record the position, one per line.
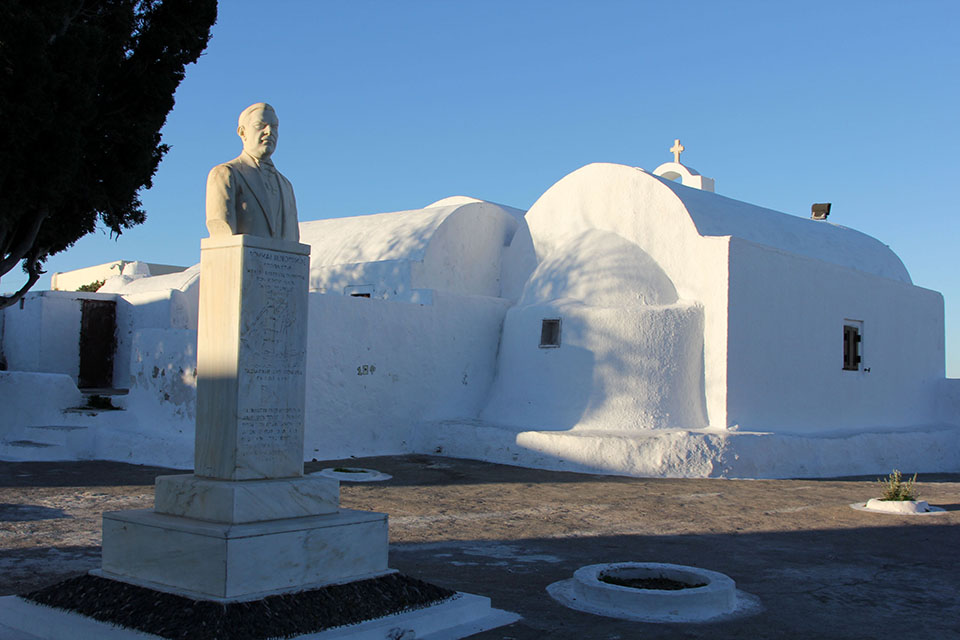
(237, 195)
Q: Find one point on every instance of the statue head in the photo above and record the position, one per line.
(258, 127)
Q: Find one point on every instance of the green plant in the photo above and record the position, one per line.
(896, 488)
(348, 470)
(92, 287)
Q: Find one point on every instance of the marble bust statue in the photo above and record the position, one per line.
(247, 195)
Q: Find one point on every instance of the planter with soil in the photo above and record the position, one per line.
(354, 474)
(653, 592)
(901, 507)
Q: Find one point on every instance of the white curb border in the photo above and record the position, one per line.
(898, 507)
(718, 600)
(358, 474)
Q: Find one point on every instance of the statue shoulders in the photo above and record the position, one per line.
(224, 170)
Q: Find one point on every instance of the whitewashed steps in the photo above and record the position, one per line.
(46, 443)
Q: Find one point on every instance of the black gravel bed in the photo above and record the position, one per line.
(280, 616)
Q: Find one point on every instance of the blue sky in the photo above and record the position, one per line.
(388, 105)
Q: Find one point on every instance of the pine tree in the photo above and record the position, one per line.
(85, 87)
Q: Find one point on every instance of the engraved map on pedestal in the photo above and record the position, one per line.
(273, 348)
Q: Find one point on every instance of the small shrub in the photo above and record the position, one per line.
(348, 470)
(895, 488)
(91, 287)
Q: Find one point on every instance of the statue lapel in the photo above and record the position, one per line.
(251, 175)
(287, 205)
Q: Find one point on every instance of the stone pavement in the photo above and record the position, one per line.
(819, 568)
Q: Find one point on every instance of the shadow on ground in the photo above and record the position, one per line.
(819, 568)
(850, 584)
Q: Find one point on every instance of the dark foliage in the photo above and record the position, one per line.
(91, 287)
(85, 87)
(281, 616)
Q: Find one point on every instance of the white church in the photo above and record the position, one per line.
(630, 322)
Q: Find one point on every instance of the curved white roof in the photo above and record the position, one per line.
(665, 219)
(455, 245)
(399, 235)
(716, 215)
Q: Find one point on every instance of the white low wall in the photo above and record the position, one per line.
(163, 309)
(35, 399)
(708, 453)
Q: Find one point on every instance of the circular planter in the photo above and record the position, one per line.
(355, 474)
(717, 597)
(901, 507)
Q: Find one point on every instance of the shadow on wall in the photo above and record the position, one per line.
(628, 369)
(601, 269)
(374, 238)
(387, 280)
(628, 355)
(551, 390)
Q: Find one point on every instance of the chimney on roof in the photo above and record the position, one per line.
(820, 211)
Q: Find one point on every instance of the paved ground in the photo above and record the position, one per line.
(820, 569)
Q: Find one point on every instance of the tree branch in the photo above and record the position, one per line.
(26, 242)
(34, 272)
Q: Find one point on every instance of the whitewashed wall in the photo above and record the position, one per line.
(786, 346)
(384, 280)
(376, 369)
(159, 302)
(43, 334)
(688, 233)
(630, 356)
(617, 369)
(645, 210)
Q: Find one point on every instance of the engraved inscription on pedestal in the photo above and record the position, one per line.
(272, 360)
(251, 358)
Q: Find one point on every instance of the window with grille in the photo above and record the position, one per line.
(851, 347)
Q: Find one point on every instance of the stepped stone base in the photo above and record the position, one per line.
(241, 502)
(210, 560)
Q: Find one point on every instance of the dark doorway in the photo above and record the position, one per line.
(98, 341)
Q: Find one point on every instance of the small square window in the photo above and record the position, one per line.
(359, 290)
(851, 347)
(550, 333)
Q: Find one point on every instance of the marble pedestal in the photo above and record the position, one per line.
(251, 358)
(248, 523)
